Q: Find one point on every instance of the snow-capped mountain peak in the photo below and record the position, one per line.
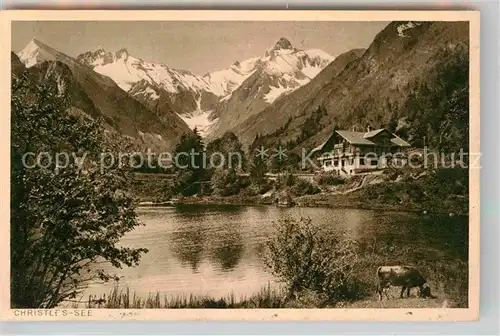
(283, 43)
(29, 53)
(281, 59)
(122, 53)
(280, 71)
(96, 57)
(284, 59)
(223, 82)
(127, 70)
(36, 52)
(282, 47)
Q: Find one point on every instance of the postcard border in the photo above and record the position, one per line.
(383, 314)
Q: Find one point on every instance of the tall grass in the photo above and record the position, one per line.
(268, 297)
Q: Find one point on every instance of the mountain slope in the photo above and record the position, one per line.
(277, 114)
(16, 65)
(223, 82)
(99, 96)
(403, 60)
(282, 70)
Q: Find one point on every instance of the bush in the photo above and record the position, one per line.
(227, 182)
(329, 179)
(306, 258)
(302, 187)
(447, 181)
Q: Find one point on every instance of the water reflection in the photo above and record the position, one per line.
(227, 246)
(193, 210)
(208, 231)
(188, 243)
(216, 250)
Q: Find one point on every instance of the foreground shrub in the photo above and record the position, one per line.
(305, 258)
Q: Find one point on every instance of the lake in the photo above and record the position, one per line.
(217, 250)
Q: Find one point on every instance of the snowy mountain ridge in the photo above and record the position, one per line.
(281, 71)
(197, 99)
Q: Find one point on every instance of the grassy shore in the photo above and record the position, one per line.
(332, 200)
(266, 298)
(442, 191)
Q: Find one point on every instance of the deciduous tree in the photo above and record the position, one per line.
(65, 221)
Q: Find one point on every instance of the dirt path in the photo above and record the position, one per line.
(363, 182)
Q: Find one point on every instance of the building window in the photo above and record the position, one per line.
(336, 163)
(361, 161)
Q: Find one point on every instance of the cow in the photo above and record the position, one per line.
(405, 276)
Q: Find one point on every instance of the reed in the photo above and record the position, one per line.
(122, 298)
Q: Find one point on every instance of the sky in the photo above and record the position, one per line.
(198, 46)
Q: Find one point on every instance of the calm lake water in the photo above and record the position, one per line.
(216, 250)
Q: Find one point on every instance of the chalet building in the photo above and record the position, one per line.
(349, 153)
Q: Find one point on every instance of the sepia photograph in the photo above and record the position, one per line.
(329, 163)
